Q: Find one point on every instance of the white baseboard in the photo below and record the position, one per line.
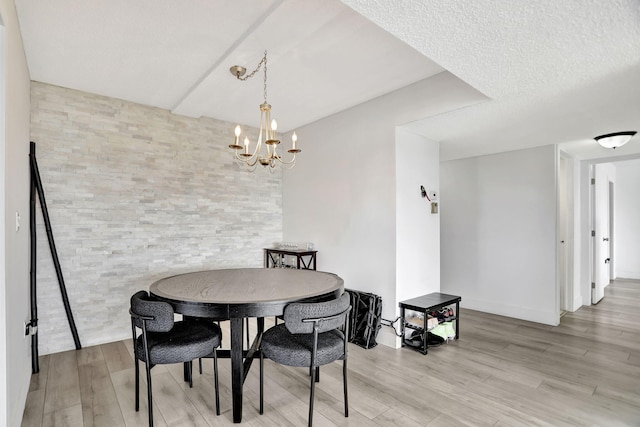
(530, 314)
(577, 303)
(386, 336)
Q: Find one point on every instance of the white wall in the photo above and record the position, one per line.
(342, 193)
(627, 222)
(498, 233)
(418, 230)
(15, 355)
(3, 241)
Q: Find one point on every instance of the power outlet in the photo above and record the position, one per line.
(433, 195)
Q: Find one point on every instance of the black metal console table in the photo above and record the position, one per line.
(305, 259)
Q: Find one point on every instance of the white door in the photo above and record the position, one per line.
(601, 238)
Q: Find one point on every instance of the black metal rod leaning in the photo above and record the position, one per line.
(35, 366)
(54, 253)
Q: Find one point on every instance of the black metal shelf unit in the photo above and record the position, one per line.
(425, 304)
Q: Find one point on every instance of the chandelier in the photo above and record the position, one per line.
(265, 151)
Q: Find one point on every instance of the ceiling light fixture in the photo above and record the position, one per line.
(614, 140)
(268, 156)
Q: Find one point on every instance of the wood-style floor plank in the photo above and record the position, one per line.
(100, 407)
(502, 372)
(34, 408)
(63, 386)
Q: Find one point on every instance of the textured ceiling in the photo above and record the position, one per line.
(555, 72)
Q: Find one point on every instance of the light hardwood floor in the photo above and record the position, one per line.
(502, 372)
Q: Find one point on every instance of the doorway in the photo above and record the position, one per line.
(622, 202)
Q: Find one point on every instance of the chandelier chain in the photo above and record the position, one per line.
(248, 76)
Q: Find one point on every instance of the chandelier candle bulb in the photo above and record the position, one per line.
(294, 138)
(235, 145)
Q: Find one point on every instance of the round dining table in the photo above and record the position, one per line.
(240, 293)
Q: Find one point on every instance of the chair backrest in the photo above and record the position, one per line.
(295, 315)
(160, 313)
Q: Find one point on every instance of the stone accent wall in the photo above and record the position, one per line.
(135, 194)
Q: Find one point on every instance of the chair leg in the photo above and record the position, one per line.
(317, 373)
(190, 371)
(200, 365)
(137, 385)
(149, 395)
(215, 380)
(313, 387)
(248, 339)
(344, 382)
(261, 382)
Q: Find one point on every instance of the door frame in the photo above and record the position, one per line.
(612, 258)
(565, 241)
(592, 233)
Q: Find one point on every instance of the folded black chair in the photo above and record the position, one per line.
(164, 341)
(312, 335)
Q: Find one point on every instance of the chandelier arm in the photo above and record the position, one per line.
(247, 159)
(290, 162)
(251, 167)
(288, 165)
(286, 162)
(243, 160)
(249, 162)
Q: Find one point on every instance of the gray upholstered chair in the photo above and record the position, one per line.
(312, 335)
(164, 341)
